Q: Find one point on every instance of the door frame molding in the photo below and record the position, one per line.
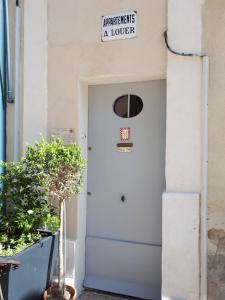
(83, 142)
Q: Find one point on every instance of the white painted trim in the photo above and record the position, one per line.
(180, 249)
(185, 25)
(82, 198)
(204, 198)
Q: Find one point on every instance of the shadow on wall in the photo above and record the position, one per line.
(216, 264)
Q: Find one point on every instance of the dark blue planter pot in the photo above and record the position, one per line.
(35, 272)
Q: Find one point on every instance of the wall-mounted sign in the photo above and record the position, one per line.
(66, 134)
(125, 134)
(119, 26)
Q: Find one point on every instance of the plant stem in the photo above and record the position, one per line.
(60, 248)
(1, 295)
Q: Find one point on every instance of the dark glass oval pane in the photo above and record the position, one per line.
(121, 106)
(136, 105)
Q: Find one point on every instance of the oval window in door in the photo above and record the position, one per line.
(128, 106)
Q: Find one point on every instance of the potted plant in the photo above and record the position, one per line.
(63, 166)
(25, 214)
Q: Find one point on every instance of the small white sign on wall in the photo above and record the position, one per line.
(119, 26)
(66, 134)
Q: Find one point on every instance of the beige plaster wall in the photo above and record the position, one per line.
(76, 51)
(35, 70)
(214, 46)
(76, 55)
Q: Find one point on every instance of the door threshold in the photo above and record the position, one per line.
(89, 294)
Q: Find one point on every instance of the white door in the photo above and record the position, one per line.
(126, 179)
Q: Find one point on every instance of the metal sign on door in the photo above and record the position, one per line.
(125, 134)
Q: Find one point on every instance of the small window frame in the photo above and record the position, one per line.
(128, 106)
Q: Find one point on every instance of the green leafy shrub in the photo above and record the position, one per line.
(48, 170)
(24, 207)
(62, 166)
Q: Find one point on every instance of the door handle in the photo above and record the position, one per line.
(123, 198)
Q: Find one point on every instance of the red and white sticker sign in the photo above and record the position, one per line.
(125, 134)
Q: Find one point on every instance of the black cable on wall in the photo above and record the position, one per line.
(176, 52)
